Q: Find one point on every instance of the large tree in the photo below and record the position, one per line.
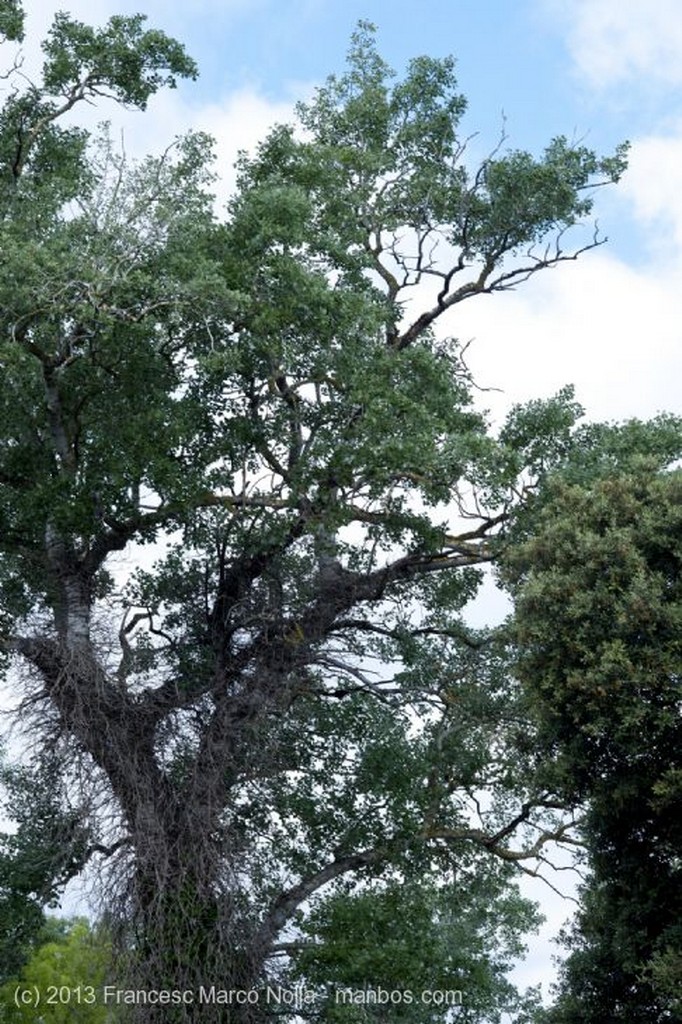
(244, 496)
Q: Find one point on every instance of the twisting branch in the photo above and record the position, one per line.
(288, 901)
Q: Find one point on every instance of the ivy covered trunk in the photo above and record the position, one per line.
(188, 941)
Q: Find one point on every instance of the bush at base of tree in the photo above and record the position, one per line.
(67, 971)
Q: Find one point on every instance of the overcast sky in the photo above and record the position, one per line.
(596, 70)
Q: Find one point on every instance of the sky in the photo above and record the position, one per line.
(601, 71)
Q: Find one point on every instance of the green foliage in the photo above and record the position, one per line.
(417, 941)
(45, 850)
(12, 20)
(665, 972)
(42, 160)
(539, 434)
(608, 558)
(67, 968)
(382, 158)
(121, 60)
(598, 623)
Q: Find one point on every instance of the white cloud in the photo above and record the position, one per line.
(612, 330)
(653, 185)
(615, 40)
(609, 324)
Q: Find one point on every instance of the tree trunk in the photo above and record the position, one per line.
(193, 943)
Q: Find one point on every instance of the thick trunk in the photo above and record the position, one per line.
(193, 942)
(191, 935)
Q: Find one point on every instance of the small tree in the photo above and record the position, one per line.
(67, 970)
(286, 708)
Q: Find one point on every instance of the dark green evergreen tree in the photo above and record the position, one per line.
(598, 589)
